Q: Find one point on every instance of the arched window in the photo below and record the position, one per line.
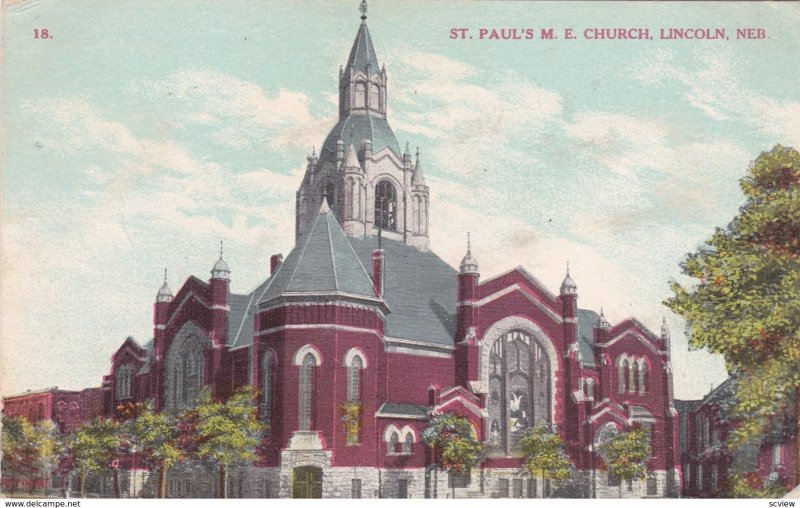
(374, 97)
(185, 361)
(519, 390)
(123, 382)
(634, 377)
(386, 206)
(306, 391)
(408, 444)
(643, 378)
(267, 364)
(394, 443)
(354, 378)
(361, 92)
(623, 376)
(423, 221)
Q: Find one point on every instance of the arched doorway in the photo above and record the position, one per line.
(307, 482)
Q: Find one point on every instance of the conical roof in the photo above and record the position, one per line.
(323, 262)
(362, 55)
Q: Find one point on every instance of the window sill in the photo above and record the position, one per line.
(399, 454)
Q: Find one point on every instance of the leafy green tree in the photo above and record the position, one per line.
(744, 299)
(20, 449)
(48, 443)
(451, 437)
(625, 455)
(227, 432)
(156, 436)
(95, 449)
(544, 455)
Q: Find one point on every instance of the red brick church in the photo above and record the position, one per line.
(362, 309)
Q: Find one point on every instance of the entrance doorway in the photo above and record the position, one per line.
(307, 482)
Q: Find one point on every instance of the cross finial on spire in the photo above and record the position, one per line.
(363, 9)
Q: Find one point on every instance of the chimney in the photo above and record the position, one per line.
(275, 262)
(377, 271)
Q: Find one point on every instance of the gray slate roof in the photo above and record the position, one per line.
(419, 288)
(586, 322)
(391, 409)
(323, 261)
(362, 55)
(353, 129)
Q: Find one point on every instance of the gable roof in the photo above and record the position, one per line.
(322, 262)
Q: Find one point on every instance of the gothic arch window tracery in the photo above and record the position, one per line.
(386, 206)
(123, 381)
(519, 390)
(375, 97)
(185, 371)
(354, 378)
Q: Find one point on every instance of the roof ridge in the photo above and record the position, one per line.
(333, 254)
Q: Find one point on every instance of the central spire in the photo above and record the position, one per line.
(362, 55)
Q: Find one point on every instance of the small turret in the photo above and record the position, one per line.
(165, 293)
(665, 337)
(220, 269)
(568, 287)
(469, 264)
(220, 284)
(407, 156)
(602, 322)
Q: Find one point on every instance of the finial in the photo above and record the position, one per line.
(363, 9)
(165, 275)
(408, 150)
(601, 311)
(220, 249)
(469, 244)
(313, 151)
(567, 267)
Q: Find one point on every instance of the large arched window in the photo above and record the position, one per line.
(267, 369)
(386, 206)
(306, 386)
(185, 371)
(374, 97)
(519, 390)
(123, 381)
(354, 378)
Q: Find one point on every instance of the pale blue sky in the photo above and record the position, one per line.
(145, 131)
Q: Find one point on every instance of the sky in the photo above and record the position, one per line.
(141, 133)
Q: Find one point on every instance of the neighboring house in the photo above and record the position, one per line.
(707, 463)
(66, 408)
(362, 310)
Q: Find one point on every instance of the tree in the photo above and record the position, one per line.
(156, 436)
(20, 449)
(625, 455)
(451, 437)
(95, 448)
(48, 443)
(227, 432)
(543, 452)
(744, 302)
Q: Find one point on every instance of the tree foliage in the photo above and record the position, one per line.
(226, 432)
(95, 447)
(155, 435)
(626, 453)
(451, 438)
(544, 455)
(744, 302)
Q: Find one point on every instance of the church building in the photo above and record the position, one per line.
(362, 310)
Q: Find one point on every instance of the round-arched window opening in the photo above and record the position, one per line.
(386, 206)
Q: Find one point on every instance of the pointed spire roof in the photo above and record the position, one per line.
(469, 264)
(165, 293)
(417, 177)
(221, 270)
(602, 322)
(351, 159)
(664, 328)
(362, 55)
(322, 262)
(568, 287)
